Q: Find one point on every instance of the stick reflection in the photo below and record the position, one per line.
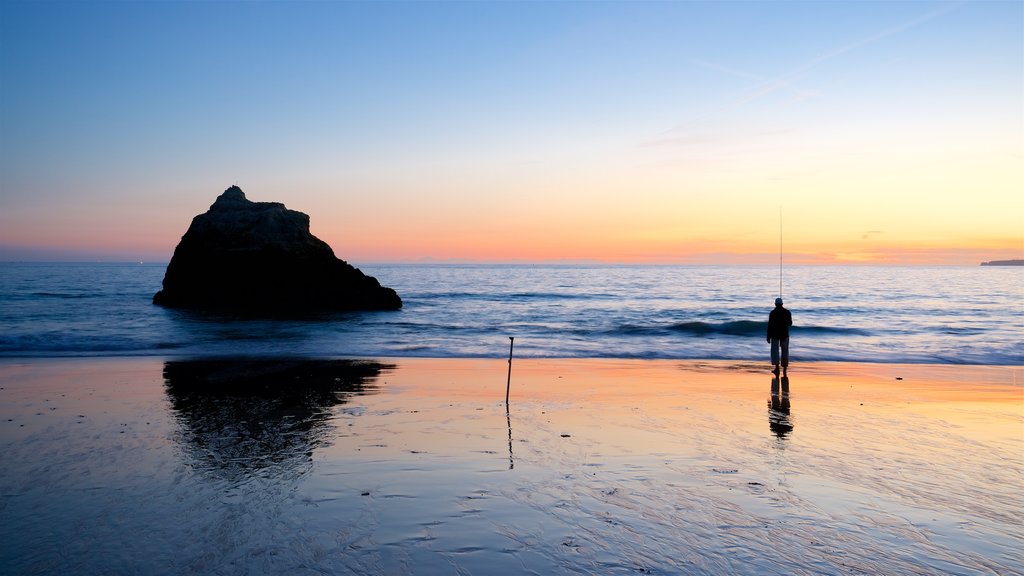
(508, 420)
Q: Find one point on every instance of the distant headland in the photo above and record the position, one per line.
(1004, 263)
(260, 258)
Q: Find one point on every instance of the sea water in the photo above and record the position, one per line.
(960, 315)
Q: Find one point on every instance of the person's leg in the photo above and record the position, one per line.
(784, 344)
(775, 353)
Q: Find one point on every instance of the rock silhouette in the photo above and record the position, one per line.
(260, 258)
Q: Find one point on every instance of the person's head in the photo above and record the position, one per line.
(778, 302)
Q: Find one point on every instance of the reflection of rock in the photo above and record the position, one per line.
(243, 415)
(259, 257)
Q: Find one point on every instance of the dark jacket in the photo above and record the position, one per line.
(779, 321)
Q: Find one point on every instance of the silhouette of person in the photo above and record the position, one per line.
(779, 321)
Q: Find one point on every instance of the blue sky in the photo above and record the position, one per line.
(117, 111)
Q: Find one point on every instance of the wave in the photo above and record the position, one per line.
(78, 345)
(510, 296)
(828, 330)
(65, 295)
(730, 328)
(554, 296)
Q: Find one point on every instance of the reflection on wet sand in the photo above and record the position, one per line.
(621, 467)
(779, 419)
(508, 420)
(238, 416)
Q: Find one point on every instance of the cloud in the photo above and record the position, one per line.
(879, 35)
(711, 135)
(768, 85)
(683, 140)
(683, 135)
(785, 80)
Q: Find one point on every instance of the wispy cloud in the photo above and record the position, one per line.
(767, 85)
(891, 31)
(711, 136)
(786, 81)
(789, 81)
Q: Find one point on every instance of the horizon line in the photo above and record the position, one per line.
(527, 263)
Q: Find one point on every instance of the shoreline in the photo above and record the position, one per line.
(702, 361)
(899, 374)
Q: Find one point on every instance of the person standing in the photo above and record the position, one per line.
(779, 321)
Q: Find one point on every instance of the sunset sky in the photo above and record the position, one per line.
(661, 132)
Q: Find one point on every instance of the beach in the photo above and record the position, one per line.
(497, 288)
(596, 466)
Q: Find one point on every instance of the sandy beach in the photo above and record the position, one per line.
(413, 466)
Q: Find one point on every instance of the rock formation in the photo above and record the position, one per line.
(260, 258)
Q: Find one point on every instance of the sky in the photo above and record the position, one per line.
(639, 132)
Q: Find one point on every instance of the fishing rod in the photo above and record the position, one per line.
(780, 251)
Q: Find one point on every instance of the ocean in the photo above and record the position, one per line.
(955, 315)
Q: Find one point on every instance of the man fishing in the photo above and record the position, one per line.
(779, 321)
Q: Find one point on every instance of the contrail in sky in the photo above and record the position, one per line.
(785, 80)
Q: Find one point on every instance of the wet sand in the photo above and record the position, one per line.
(413, 466)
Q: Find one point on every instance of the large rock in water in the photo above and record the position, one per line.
(260, 258)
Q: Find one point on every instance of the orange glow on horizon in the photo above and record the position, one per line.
(597, 238)
(611, 251)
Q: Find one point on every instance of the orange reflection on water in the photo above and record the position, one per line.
(416, 462)
(615, 407)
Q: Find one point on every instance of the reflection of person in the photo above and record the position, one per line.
(779, 321)
(779, 419)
